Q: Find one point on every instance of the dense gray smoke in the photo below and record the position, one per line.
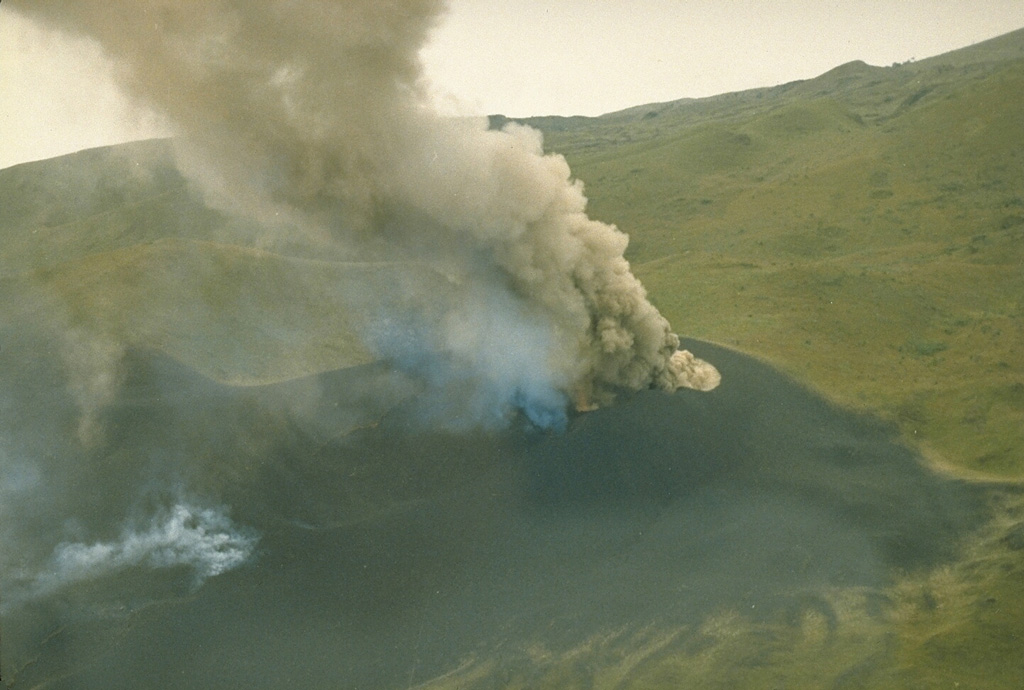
(312, 115)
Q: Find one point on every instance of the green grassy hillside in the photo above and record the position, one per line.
(112, 244)
(863, 230)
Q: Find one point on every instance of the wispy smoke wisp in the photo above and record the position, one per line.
(314, 114)
(202, 538)
(205, 540)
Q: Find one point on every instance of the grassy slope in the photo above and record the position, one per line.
(112, 244)
(238, 315)
(863, 230)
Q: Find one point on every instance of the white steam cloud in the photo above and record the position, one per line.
(205, 540)
(313, 114)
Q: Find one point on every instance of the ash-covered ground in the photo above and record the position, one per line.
(212, 536)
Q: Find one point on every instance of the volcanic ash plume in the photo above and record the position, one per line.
(313, 115)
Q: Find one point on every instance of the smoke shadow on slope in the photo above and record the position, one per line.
(389, 552)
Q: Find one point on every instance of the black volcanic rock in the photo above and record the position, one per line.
(387, 546)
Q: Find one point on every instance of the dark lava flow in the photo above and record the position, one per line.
(389, 552)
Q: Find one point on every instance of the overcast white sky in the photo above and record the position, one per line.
(525, 57)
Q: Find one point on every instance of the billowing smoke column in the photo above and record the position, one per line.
(312, 114)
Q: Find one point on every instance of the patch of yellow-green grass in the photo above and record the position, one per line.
(237, 315)
(904, 342)
(960, 626)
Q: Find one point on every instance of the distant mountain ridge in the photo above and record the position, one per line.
(1001, 49)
